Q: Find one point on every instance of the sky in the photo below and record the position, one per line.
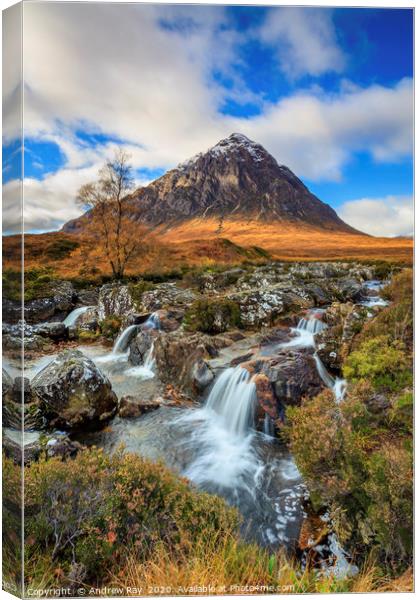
(328, 92)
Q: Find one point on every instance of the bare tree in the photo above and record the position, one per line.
(107, 199)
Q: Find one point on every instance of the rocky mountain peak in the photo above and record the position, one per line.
(236, 145)
(235, 179)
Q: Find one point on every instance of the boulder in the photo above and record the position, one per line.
(88, 321)
(140, 346)
(56, 444)
(115, 299)
(170, 319)
(59, 444)
(329, 347)
(179, 360)
(292, 375)
(201, 375)
(346, 289)
(212, 282)
(73, 394)
(59, 301)
(259, 307)
(345, 322)
(56, 331)
(35, 343)
(88, 297)
(266, 400)
(263, 277)
(167, 295)
(131, 407)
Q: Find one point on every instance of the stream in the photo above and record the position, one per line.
(215, 445)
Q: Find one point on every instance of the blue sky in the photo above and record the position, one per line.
(327, 92)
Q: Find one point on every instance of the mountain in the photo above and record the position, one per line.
(236, 179)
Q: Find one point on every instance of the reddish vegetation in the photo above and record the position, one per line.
(198, 242)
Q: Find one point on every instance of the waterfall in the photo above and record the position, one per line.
(338, 386)
(311, 325)
(150, 361)
(268, 425)
(72, 317)
(323, 373)
(123, 339)
(153, 322)
(147, 369)
(233, 397)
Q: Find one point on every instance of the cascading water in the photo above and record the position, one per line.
(233, 397)
(371, 291)
(312, 324)
(72, 318)
(147, 369)
(338, 386)
(305, 331)
(153, 322)
(123, 340)
(268, 425)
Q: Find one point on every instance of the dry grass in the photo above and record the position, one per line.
(198, 243)
(238, 568)
(291, 241)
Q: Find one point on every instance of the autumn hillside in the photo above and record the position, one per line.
(201, 243)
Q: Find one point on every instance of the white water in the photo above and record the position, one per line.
(305, 331)
(301, 339)
(337, 385)
(223, 431)
(311, 324)
(233, 397)
(147, 370)
(372, 297)
(72, 318)
(341, 568)
(153, 322)
(122, 341)
(120, 351)
(268, 425)
(307, 328)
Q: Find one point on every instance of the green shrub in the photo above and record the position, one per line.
(110, 326)
(381, 361)
(213, 316)
(85, 335)
(12, 284)
(383, 269)
(400, 288)
(401, 414)
(92, 509)
(59, 249)
(38, 283)
(357, 460)
(389, 488)
(357, 456)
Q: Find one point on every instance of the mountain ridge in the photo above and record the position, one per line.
(237, 178)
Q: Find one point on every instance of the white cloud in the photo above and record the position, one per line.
(48, 203)
(305, 41)
(389, 216)
(114, 69)
(315, 134)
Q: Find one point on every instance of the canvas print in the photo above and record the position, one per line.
(207, 299)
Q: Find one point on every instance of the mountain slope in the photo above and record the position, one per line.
(236, 179)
